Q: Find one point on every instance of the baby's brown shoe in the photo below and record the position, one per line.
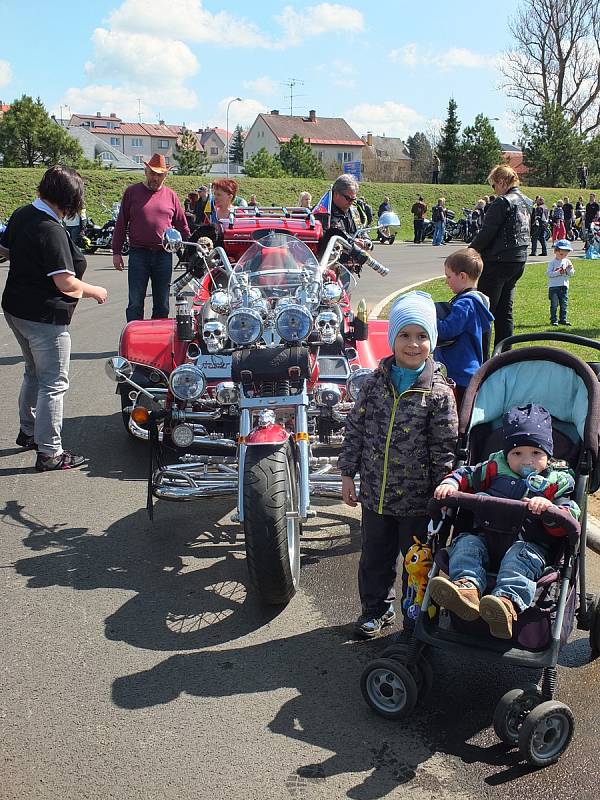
(461, 597)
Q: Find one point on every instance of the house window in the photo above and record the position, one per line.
(114, 140)
(348, 157)
(167, 160)
(138, 159)
(214, 151)
(106, 156)
(319, 155)
(136, 142)
(163, 144)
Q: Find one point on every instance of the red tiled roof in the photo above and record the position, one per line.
(323, 130)
(4, 108)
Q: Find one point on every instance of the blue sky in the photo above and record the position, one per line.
(388, 67)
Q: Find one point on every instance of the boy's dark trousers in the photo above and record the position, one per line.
(383, 539)
(559, 297)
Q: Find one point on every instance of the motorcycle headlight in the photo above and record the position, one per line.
(332, 293)
(182, 435)
(244, 326)
(187, 382)
(356, 380)
(227, 393)
(219, 302)
(293, 323)
(328, 394)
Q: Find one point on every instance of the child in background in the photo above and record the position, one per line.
(462, 322)
(400, 436)
(523, 470)
(559, 271)
(558, 222)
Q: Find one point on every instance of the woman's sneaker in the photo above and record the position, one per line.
(25, 441)
(367, 625)
(65, 460)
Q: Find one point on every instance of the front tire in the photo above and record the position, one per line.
(546, 733)
(272, 528)
(389, 688)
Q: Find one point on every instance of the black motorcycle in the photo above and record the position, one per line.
(469, 225)
(99, 237)
(450, 230)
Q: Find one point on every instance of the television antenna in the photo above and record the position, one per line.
(291, 83)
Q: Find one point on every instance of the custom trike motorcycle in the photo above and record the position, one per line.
(259, 373)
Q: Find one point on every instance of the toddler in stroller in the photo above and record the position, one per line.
(556, 597)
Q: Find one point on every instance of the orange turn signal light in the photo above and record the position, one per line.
(140, 415)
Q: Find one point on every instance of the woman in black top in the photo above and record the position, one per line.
(42, 289)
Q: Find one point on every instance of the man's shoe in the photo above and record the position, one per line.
(499, 613)
(26, 442)
(460, 597)
(368, 626)
(65, 460)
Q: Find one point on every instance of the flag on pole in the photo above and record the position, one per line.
(324, 204)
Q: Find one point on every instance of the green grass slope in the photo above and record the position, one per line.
(18, 186)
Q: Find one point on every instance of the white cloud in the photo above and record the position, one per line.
(242, 113)
(389, 118)
(123, 101)
(5, 73)
(455, 57)
(264, 86)
(317, 20)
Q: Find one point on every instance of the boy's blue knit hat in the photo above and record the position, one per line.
(529, 426)
(414, 308)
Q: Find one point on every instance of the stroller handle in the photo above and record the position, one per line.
(502, 514)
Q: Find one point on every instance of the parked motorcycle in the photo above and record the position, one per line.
(468, 225)
(429, 227)
(268, 360)
(99, 237)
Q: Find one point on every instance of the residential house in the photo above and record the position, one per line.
(215, 142)
(513, 155)
(96, 147)
(331, 139)
(386, 159)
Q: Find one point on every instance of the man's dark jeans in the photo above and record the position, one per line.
(419, 226)
(143, 266)
(498, 281)
(538, 234)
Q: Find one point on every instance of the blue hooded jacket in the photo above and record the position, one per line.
(468, 319)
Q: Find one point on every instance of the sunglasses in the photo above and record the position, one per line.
(349, 198)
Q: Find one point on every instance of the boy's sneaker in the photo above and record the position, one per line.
(554, 324)
(460, 597)
(26, 442)
(564, 322)
(367, 626)
(65, 460)
(499, 613)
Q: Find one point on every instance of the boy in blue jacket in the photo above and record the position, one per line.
(464, 320)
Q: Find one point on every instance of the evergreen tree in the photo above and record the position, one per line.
(263, 165)
(480, 150)
(449, 146)
(552, 149)
(236, 146)
(297, 159)
(191, 160)
(421, 154)
(29, 137)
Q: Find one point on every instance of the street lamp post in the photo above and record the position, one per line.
(233, 100)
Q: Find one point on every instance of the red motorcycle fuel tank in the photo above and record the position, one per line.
(376, 347)
(153, 342)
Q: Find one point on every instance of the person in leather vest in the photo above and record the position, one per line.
(503, 243)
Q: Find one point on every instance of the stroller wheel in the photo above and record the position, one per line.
(595, 627)
(512, 710)
(546, 733)
(422, 671)
(389, 688)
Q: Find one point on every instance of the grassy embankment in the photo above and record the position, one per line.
(18, 186)
(532, 307)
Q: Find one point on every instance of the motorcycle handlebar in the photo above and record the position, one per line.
(364, 258)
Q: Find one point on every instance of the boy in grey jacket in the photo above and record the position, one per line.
(400, 437)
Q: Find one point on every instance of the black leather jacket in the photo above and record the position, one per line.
(504, 235)
(344, 220)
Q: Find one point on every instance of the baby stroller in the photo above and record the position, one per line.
(526, 717)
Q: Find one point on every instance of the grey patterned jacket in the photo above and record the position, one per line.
(402, 445)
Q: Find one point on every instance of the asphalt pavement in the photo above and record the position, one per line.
(137, 663)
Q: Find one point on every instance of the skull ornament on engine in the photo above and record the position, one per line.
(328, 325)
(214, 335)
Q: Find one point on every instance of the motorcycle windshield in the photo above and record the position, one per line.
(278, 265)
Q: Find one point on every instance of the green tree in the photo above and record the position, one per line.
(297, 159)
(191, 160)
(421, 154)
(263, 165)
(29, 137)
(449, 149)
(236, 146)
(480, 150)
(552, 149)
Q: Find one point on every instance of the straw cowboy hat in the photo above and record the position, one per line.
(157, 164)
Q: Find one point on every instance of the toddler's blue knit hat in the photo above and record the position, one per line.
(530, 426)
(414, 308)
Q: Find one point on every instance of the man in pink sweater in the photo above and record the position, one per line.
(147, 210)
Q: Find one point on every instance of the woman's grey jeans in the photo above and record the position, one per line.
(47, 350)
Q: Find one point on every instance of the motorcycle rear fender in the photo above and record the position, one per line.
(153, 342)
(273, 434)
(376, 347)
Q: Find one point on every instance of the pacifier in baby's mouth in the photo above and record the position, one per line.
(525, 471)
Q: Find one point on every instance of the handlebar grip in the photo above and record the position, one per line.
(374, 264)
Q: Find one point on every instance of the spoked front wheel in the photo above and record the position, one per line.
(272, 527)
